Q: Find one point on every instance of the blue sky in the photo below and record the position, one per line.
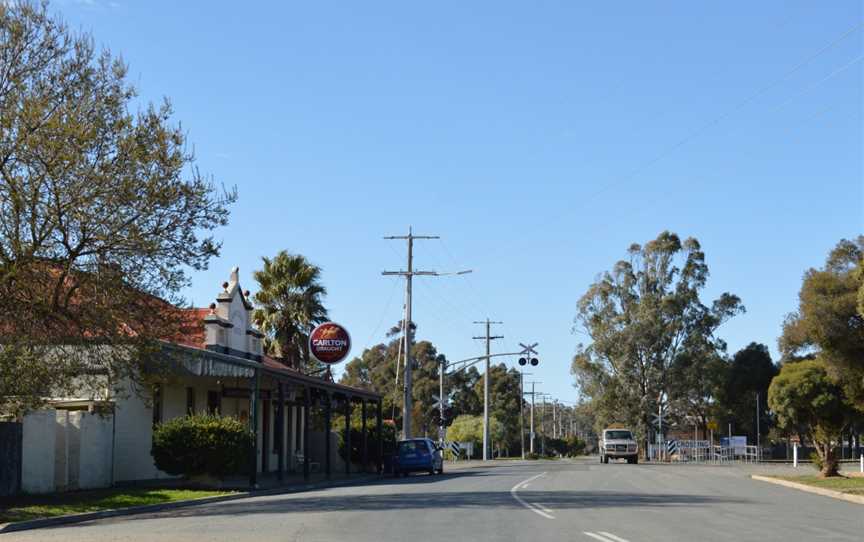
(538, 139)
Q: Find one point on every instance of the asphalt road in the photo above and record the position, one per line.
(519, 501)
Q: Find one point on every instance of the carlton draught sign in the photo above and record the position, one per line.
(329, 343)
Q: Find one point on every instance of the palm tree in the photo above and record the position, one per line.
(290, 305)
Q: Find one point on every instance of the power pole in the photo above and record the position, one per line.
(543, 426)
(488, 338)
(554, 420)
(409, 274)
(531, 431)
(521, 415)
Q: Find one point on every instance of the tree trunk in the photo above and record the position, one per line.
(828, 455)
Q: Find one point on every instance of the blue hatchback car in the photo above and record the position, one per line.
(418, 454)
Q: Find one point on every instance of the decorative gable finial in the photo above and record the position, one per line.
(235, 275)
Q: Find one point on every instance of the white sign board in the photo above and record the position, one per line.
(737, 443)
(468, 448)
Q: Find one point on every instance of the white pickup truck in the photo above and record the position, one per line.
(618, 444)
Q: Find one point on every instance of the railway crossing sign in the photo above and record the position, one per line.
(526, 353)
(438, 402)
(528, 349)
(657, 418)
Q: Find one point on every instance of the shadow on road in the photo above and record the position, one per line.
(557, 500)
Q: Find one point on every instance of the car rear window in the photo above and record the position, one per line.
(413, 446)
(618, 435)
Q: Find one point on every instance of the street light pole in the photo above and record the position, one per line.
(531, 431)
(758, 431)
(441, 430)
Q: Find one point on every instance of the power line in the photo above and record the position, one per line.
(383, 315)
(818, 83)
(734, 109)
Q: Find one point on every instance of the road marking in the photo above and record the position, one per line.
(536, 508)
(541, 507)
(604, 536)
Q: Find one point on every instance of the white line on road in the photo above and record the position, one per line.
(537, 509)
(612, 536)
(604, 536)
(541, 507)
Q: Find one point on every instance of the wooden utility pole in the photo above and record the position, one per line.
(488, 338)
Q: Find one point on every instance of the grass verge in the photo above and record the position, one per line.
(851, 486)
(27, 507)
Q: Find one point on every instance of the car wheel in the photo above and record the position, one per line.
(635, 459)
(605, 459)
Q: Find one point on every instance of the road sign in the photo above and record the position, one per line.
(712, 425)
(672, 447)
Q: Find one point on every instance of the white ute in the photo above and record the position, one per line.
(618, 444)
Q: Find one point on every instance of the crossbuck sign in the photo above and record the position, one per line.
(528, 349)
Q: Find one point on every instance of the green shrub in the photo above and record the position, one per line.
(817, 461)
(202, 444)
(389, 440)
(567, 447)
(532, 456)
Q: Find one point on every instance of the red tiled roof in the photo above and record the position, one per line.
(192, 333)
(274, 364)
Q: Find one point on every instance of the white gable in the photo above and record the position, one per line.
(229, 325)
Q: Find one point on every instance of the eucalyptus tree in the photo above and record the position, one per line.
(830, 318)
(102, 214)
(290, 305)
(640, 317)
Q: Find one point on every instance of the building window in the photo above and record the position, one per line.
(214, 402)
(190, 401)
(157, 404)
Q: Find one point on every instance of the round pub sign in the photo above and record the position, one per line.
(329, 343)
